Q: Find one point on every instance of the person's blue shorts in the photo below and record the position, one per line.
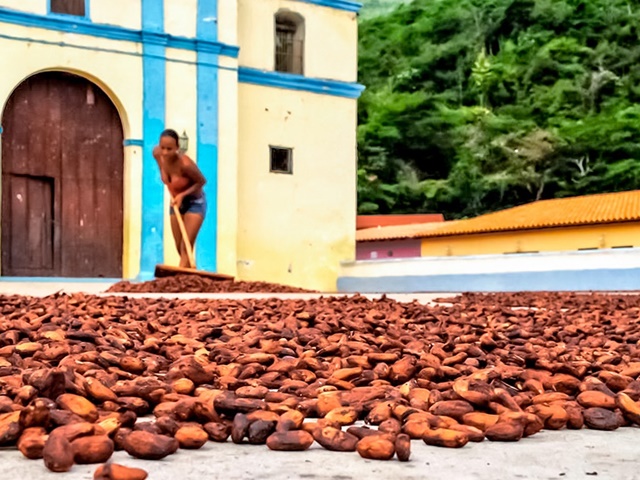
(193, 204)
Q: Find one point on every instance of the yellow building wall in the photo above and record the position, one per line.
(228, 213)
(544, 240)
(31, 6)
(181, 107)
(123, 85)
(180, 17)
(296, 229)
(228, 21)
(124, 13)
(331, 38)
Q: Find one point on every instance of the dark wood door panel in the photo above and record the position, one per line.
(28, 247)
(64, 132)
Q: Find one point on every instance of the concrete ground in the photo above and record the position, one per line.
(562, 455)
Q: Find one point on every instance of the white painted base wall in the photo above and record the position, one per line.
(602, 270)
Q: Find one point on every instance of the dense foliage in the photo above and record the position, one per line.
(477, 105)
(373, 8)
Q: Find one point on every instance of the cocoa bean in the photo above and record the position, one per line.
(403, 447)
(57, 453)
(217, 432)
(240, 428)
(600, 419)
(260, 430)
(291, 420)
(191, 437)
(31, 442)
(92, 449)
(10, 428)
(505, 432)
(451, 408)
(336, 440)
(290, 441)
(343, 415)
(629, 408)
(376, 448)
(443, 437)
(114, 471)
(79, 406)
(149, 446)
(592, 398)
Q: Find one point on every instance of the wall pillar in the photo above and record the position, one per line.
(207, 117)
(154, 110)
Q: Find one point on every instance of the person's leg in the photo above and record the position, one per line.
(192, 224)
(177, 236)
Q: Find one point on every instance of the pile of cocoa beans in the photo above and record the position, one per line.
(83, 376)
(197, 284)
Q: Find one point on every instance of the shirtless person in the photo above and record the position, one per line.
(185, 181)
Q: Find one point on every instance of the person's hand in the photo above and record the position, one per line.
(177, 201)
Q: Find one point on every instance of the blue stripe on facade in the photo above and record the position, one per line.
(613, 279)
(299, 82)
(82, 26)
(133, 142)
(154, 108)
(207, 132)
(339, 4)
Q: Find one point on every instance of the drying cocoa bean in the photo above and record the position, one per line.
(505, 432)
(443, 437)
(376, 448)
(600, 419)
(335, 439)
(114, 471)
(403, 447)
(290, 441)
(57, 453)
(259, 431)
(31, 442)
(79, 406)
(592, 398)
(92, 449)
(191, 437)
(149, 446)
(218, 432)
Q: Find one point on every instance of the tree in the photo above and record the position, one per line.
(476, 105)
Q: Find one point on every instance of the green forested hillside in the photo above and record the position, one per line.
(477, 105)
(373, 8)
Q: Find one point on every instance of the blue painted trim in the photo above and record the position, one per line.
(108, 50)
(82, 26)
(207, 133)
(154, 108)
(1, 130)
(58, 280)
(614, 279)
(338, 4)
(133, 142)
(299, 82)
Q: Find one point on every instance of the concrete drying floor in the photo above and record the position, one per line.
(559, 455)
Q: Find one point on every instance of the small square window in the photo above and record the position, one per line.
(69, 7)
(281, 160)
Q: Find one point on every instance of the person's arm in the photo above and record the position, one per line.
(191, 171)
(163, 175)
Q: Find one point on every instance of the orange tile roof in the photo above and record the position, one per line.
(386, 220)
(397, 232)
(557, 212)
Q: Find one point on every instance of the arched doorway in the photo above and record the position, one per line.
(62, 180)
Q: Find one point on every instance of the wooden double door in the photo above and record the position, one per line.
(62, 180)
